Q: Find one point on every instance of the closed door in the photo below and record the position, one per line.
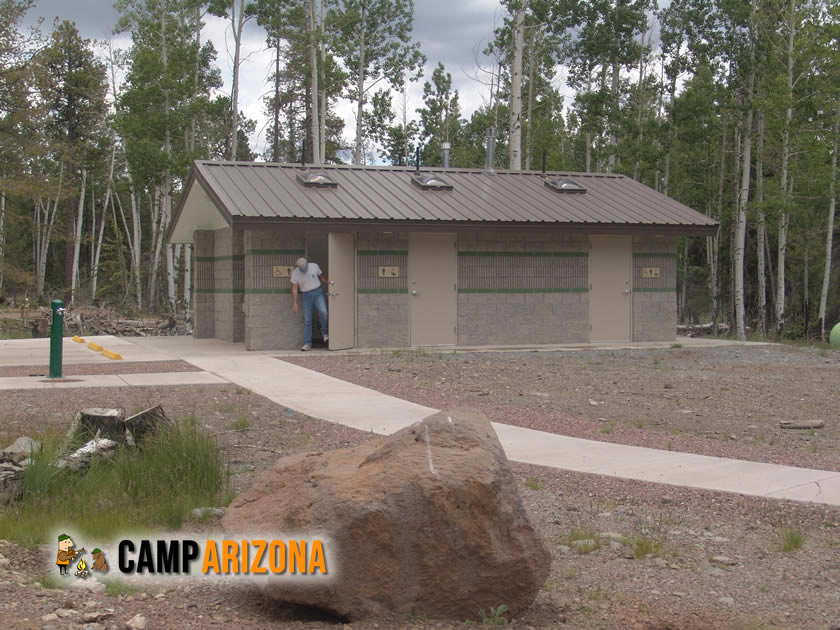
(610, 288)
(342, 290)
(432, 275)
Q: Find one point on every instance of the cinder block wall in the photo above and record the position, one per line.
(270, 323)
(654, 299)
(229, 284)
(382, 302)
(204, 308)
(516, 288)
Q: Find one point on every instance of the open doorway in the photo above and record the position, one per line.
(318, 252)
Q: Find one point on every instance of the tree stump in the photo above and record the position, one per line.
(146, 421)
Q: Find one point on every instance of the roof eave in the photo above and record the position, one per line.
(599, 228)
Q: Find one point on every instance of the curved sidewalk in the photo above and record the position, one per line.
(338, 401)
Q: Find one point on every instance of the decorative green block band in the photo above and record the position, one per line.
(523, 290)
(267, 291)
(215, 258)
(219, 291)
(382, 252)
(534, 254)
(274, 252)
(653, 255)
(368, 291)
(654, 290)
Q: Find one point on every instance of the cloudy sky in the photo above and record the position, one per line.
(450, 31)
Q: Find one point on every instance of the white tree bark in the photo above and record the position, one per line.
(829, 230)
(322, 117)
(100, 237)
(515, 128)
(2, 234)
(171, 257)
(358, 148)
(532, 71)
(77, 240)
(237, 22)
(744, 196)
(315, 123)
(784, 216)
(761, 229)
(45, 220)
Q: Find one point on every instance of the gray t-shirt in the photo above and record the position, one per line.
(307, 280)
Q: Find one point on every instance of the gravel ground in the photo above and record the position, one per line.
(705, 559)
(724, 401)
(115, 367)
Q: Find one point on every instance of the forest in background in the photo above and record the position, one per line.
(729, 106)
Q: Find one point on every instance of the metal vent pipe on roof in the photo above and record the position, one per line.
(491, 150)
(445, 147)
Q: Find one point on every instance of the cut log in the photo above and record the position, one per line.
(145, 422)
(805, 424)
(108, 423)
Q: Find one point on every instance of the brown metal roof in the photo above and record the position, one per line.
(262, 192)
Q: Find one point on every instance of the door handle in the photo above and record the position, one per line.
(626, 291)
(415, 292)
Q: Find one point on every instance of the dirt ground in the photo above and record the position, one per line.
(727, 401)
(662, 557)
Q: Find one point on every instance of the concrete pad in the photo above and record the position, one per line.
(161, 379)
(15, 352)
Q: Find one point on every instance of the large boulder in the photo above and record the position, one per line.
(21, 449)
(427, 520)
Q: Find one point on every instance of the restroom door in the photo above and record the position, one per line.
(610, 288)
(342, 290)
(433, 297)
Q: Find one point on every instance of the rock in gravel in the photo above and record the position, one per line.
(11, 481)
(727, 600)
(584, 544)
(49, 617)
(724, 560)
(137, 622)
(612, 536)
(66, 613)
(92, 617)
(21, 449)
(427, 519)
(563, 549)
(207, 512)
(715, 572)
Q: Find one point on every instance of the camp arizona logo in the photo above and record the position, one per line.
(223, 557)
(298, 557)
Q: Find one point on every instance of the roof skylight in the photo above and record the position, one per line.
(427, 181)
(565, 186)
(316, 179)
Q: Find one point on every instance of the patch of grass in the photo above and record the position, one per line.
(51, 581)
(644, 545)
(175, 470)
(533, 484)
(596, 594)
(584, 540)
(240, 390)
(115, 588)
(764, 588)
(240, 424)
(824, 353)
(656, 361)
(670, 445)
(640, 423)
(676, 345)
(494, 617)
(415, 617)
(792, 539)
(607, 428)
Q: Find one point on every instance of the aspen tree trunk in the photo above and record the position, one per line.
(237, 24)
(77, 239)
(784, 217)
(761, 229)
(2, 234)
(613, 141)
(588, 132)
(515, 129)
(99, 239)
(194, 122)
(806, 302)
(360, 91)
(275, 149)
(322, 117)
(532, 65)
(829, 230)
(713, 242)
(313, 91)
(44, 228)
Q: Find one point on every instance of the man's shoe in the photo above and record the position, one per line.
(326, 338)
(306, 347)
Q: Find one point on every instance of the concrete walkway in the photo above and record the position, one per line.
(340, 402)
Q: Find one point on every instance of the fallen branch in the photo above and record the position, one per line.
(812, 424)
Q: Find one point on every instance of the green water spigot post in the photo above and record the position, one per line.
(56, 338)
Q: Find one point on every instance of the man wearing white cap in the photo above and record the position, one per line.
(307, 279)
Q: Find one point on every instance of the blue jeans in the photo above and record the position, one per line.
(313, 298)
